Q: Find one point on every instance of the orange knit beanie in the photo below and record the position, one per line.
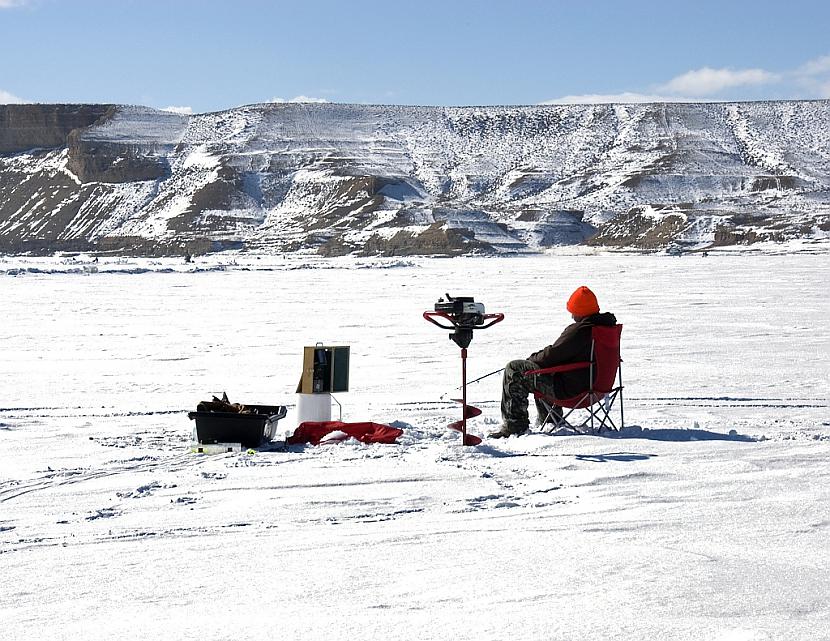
(583, 302)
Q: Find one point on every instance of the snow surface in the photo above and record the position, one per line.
(707, 518)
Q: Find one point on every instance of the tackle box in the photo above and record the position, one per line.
(249, 429)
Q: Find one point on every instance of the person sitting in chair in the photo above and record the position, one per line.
(573, 346)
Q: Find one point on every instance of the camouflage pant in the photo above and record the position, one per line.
(515, 389)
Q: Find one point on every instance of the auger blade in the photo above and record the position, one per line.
(469, 412)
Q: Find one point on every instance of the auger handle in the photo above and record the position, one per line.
(493, 318)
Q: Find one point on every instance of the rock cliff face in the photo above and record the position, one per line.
(25, 127)
(367, 179)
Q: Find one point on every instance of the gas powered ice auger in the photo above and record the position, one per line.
(464, 315)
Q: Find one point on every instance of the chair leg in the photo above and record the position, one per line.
(599, 414)
(606, 418)
(620, 390)
(579, 429)
(622, 415)
(552, 416)
(593, 400)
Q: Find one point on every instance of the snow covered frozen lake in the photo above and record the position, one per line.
(708, 517)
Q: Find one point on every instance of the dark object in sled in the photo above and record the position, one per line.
(257, 424)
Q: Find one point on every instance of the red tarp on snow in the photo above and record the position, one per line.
(315, 432)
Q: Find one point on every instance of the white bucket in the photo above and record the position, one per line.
(313, 407)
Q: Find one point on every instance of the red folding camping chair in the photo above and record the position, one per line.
(602, 371)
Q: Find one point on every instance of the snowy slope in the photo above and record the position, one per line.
(382, 179)
(706, 519)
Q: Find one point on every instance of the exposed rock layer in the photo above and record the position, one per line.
(25, 127)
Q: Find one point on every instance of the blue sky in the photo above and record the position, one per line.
(206, 55)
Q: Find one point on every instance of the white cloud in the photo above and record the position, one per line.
(185, 111)
(815, 67)
(9, 4)
(693, 86)
(707, 82)
(813, 78)
(810, 80)
(299, 99)
(7, 98)
(624, 97)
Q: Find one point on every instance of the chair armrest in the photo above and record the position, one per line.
(568, 367)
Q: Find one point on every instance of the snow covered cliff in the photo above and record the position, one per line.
(389, 180)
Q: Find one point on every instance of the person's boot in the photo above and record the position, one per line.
(508, 430)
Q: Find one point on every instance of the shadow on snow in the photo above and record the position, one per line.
(678, 435)
(621, 457)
